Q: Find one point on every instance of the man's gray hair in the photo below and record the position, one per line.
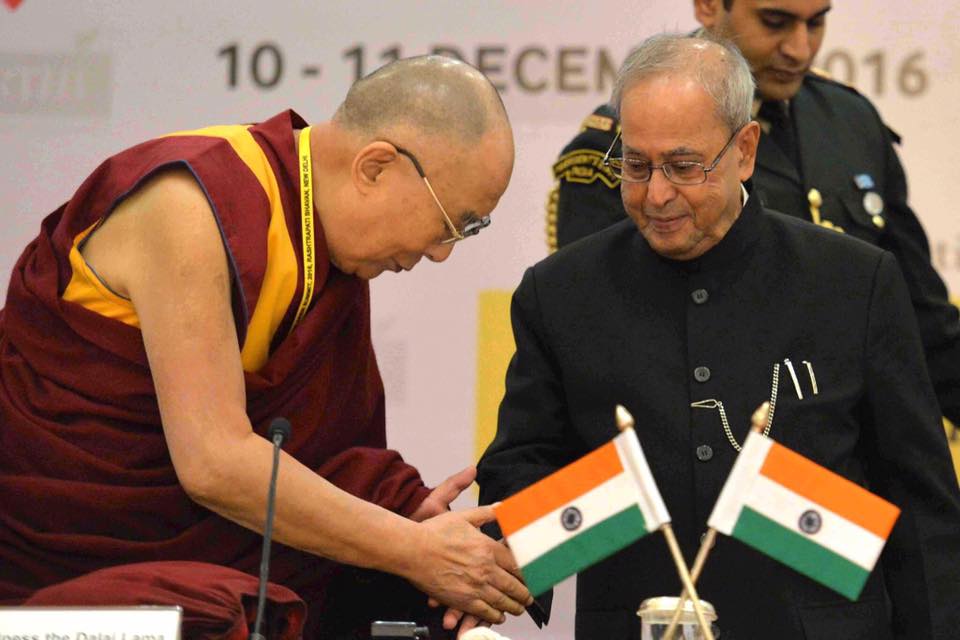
(724, 74)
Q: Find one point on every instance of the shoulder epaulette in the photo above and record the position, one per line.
(816, 73)
(821, 75)
(602, 119)
(893, 134)
(594, 121)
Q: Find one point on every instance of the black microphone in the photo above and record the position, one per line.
(279, 431)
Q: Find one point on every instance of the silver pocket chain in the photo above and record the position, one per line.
(712, 403)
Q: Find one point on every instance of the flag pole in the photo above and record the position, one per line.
(625, 421)
(705, 546)
(758, 421)
(688, 587)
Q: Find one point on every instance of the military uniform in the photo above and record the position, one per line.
(846, 176)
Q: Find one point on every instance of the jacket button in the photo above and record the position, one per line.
(704, 453)
(701, 374)
(700, 296)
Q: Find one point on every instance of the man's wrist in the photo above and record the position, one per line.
(399, 549)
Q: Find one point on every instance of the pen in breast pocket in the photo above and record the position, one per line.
(793, 375)
(813, 378)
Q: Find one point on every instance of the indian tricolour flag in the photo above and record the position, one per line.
(803, 515)
(582, 513)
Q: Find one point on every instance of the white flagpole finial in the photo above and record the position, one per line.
(624, 419)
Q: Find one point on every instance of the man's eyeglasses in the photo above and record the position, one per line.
(682, 172)
(456, 235)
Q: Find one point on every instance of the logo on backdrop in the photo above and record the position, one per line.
(74, 83)
(13, 4)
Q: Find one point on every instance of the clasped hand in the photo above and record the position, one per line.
(473, 575)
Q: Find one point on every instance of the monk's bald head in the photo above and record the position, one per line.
(418, 155)
(434, 96)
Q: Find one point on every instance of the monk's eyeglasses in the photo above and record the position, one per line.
(456, 235)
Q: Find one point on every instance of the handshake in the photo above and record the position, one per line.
(457, 566)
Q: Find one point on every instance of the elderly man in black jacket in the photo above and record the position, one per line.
(691, 313)
(824, 156)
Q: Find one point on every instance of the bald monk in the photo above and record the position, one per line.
(202, 283)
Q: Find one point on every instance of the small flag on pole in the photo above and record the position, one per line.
(583, 513)
(799, 513)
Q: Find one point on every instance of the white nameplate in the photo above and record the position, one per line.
(90, 623)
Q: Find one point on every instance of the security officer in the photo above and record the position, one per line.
(824, 155)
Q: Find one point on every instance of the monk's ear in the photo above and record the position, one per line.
(708, 12)
(747, 141)
(370, 163)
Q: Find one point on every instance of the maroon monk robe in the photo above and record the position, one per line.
(218, 603)
(85, 473)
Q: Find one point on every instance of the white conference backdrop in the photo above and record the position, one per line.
(83, 79)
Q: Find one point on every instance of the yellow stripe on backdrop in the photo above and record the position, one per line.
(953, 435)
(495, 347)
(953, 439)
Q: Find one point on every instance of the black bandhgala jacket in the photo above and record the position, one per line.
(607, 321)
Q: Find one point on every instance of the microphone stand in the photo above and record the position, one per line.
(279, 431)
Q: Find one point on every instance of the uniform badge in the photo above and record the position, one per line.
(873, 204)
(872, 201)
(584, 166)
(864, 181)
